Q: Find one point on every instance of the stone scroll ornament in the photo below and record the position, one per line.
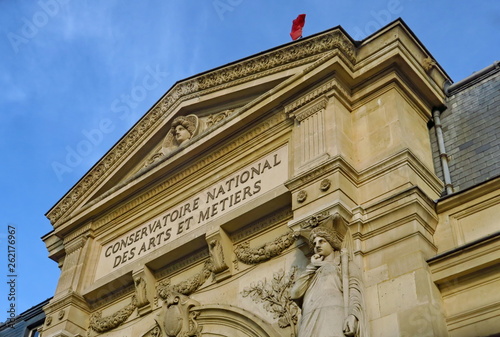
(248, 255)
(217, 256)
(140, 292)
(330, 290)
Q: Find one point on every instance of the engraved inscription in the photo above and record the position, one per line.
(228, 194)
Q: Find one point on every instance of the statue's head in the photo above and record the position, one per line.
(322, 247)
(329, 234)
(182, 129)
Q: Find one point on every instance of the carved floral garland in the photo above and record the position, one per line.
(244, 254)
(265, 252)
(188, 286)
(102, 324)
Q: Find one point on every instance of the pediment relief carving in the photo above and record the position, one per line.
(182, 130)
(287, 57)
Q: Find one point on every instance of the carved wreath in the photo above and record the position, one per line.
(265, 252)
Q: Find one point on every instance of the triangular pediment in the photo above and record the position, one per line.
(206, 104)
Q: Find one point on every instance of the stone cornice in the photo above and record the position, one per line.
(261, 224)
(461, 197)
(319, 171)
(75, 245)
(479, 254)
(286, 57)
(186, 262)
(363, 176)
(314, 108)
(71, 298)
(302, 101)
(84, 230)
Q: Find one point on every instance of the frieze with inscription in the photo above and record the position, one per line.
(226, 195)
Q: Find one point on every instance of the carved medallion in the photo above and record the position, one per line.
(325, 185)
(301, 196)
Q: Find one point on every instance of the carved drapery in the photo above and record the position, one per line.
(330, 288)
(265, 252)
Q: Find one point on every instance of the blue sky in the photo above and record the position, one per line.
(76, 70)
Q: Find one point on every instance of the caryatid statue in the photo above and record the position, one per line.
(329, 290)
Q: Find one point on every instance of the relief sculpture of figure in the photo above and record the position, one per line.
(329, 291)
(183, 128)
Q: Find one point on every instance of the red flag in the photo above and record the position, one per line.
(297, 26)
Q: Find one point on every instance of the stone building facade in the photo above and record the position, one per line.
(198, 221)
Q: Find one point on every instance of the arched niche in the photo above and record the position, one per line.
(220, 320)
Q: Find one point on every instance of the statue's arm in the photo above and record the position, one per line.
(302, 283)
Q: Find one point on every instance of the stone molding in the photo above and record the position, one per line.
(411, 205)
(360, 177)
(75, 245)
(261, 224)
(465, 260)
(289, 56)
(333, 164)
(315, 93)
(115, 295)
(85, 230)
(459, 198)
(231, 317)
(308, 112)
(184, 262)
(70, 299)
